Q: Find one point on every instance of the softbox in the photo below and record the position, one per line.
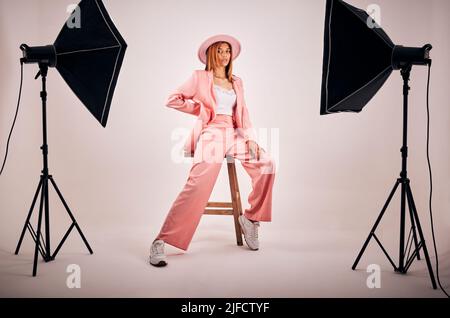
(88, 55)
(358, 58)
(89, 58)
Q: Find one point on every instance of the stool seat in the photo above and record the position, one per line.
(233, 207)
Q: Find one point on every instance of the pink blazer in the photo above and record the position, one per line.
(196, 97)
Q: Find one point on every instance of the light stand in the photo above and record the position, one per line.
(89, 59)
(43, 247)
(405, 256)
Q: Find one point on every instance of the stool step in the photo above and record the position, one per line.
(220, 205)
(218, 212)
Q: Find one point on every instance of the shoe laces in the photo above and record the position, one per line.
(254, 230)
(158, 247)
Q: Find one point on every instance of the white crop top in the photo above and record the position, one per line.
(226, 99)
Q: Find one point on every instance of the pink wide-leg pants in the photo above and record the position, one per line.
(217, 139)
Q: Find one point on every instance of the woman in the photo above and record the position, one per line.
(215, 96)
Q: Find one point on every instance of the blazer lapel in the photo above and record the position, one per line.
(211, 90)
(238, 112)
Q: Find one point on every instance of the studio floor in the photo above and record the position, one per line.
(289, 264)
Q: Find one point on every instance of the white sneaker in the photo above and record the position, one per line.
(157, 256)
(250, 231)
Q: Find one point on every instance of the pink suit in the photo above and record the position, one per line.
(217, 135)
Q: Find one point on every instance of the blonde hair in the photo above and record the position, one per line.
(212, 59)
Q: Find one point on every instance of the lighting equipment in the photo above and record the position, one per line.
(89, 58)
(358, 58)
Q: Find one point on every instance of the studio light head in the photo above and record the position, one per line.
(405, 56)
(38, 54)
(358, 58)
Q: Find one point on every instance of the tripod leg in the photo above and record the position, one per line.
(38, 230)
(28, 217)
(413, 225)
(73, 220)
(401, 256)
(422, 238)
(47, 222)
(372, 231)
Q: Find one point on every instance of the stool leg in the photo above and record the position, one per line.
(235, 198)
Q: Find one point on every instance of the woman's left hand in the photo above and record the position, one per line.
(254, 149)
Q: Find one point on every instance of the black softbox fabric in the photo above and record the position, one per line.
(89, 58)
(357, 59)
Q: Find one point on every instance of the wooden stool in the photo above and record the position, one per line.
(234, 207)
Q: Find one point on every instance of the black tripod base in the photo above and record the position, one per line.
(42, 245)
(406, 255)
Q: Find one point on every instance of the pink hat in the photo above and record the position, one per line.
(235, 46)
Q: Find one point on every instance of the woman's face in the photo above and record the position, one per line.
(224, 54)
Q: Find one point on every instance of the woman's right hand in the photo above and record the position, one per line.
(254, 149)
